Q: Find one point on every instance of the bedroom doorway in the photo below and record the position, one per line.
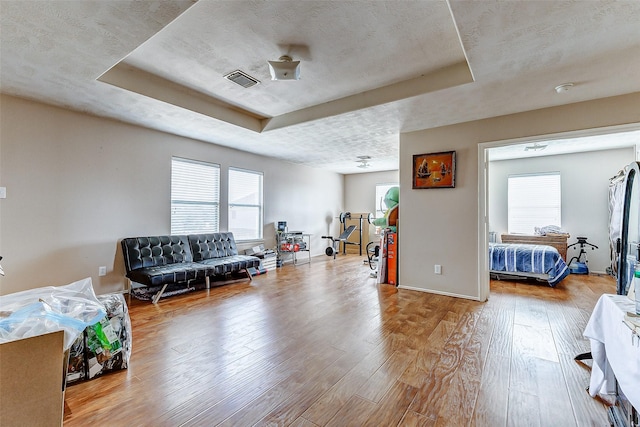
(499, 158)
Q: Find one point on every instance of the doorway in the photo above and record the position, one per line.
(492, 220)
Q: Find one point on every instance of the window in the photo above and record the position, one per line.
(195, 196)
(245, 204)
(381, 190)
(533, 201)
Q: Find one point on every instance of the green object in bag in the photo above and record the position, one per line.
(102, 339)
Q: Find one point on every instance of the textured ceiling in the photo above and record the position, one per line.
(552, 147)
(369, 69)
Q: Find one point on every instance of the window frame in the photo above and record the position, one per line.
(546, 194)
(197, 176)
(259, 206)
(379, 202)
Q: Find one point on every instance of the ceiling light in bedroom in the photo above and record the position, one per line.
(284, 69)
(535, 147)
(564, 87)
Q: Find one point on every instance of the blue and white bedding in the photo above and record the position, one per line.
(521, 258)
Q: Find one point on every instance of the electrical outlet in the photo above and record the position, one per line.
(102, 271)
(437, 269)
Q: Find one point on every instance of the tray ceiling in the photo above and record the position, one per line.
(369, 69)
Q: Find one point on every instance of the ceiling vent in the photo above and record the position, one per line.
(241, 78)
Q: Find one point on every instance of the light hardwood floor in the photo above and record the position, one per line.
(324, 345)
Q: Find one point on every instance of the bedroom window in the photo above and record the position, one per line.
(245, 204)
(195, 196)
(534, 200)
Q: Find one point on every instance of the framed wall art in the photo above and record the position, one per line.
(434, 170)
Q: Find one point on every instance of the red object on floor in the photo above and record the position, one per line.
(290, 247)
(392, 258)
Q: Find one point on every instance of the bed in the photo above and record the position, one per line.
(541, 262)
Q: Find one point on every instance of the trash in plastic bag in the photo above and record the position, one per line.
(102, 340)
(105, 346)
(76, 369)
(33, 312)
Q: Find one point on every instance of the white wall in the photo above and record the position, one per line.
(440, 226)
(360, 189)
(585, 182)
(78, 184)
(360, 192)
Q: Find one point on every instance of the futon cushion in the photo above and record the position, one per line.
(232, 264)
(142, 252)
(213, 245)
(219, 250)
(163, 274)
(159, 260)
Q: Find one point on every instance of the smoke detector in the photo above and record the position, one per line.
(241, 78)
(564, 87)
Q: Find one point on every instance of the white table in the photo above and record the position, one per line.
(615, 350)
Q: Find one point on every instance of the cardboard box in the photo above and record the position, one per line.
(32, 381)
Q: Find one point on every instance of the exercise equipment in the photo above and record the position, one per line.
(370, 218)
(363, 233)
(335, 241)
(373, 252)
(579, 266)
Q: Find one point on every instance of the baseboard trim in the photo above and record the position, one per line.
(432, 291)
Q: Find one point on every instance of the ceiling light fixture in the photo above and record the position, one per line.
(284, 69)
(535, 147)
(363, 160)
(564, 87)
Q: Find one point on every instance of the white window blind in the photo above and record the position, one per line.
(245, 204)
(195, 196)
(534, 201)
(381, 190)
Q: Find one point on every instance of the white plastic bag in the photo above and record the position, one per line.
(33, 312)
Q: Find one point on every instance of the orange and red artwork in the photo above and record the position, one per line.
(434, 170)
